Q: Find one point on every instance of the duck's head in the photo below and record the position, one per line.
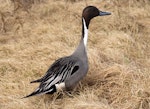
(90, 12)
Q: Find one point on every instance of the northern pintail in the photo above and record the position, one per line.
(66, 72)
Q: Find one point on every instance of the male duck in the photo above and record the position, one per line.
(66, 72)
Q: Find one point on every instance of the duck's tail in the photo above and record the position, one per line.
(40, 91)
(36, 81)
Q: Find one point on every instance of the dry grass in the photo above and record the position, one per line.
(33, 36)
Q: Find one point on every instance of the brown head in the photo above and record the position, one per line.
(90, 12)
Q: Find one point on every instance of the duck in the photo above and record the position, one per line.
(66, 72)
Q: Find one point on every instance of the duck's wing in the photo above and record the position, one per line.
(58, 66)
(61, 70)
(50, 71)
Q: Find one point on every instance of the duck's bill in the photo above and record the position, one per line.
(101, 13)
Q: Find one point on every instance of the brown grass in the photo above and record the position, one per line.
(33, 37)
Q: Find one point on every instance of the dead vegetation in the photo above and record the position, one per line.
(34, 33)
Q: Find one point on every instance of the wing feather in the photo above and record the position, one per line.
(58, 72)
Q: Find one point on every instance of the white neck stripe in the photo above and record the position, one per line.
(85, 33)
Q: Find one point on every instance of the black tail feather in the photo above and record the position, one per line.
(38, 91)
(36, 81)
(29, 95)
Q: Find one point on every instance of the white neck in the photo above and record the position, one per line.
(85, 33)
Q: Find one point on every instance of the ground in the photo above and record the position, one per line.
(34, 33)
